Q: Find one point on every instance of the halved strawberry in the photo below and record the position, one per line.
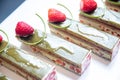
(23, 29)
(56, 16)
(88, 5)
(1, 38)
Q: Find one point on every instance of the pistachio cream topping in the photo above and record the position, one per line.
(86, 30)
(31, 39)
(3, 77)
(93, 34)
(15, 54)
(4, 44)
(99, 12)
(112, 16)
(117, 3)
(27, 62)
(64, 48)
(61, 25)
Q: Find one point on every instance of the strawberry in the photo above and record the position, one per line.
(1, 38)
(23, 29)
(56, 16)
(88, 5)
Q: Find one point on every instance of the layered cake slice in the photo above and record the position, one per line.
(25, 64)
(60, 51)
(113, 5)
(101, 43)
(100, 17)
(3, 77)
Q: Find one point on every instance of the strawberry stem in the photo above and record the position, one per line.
(7, 41)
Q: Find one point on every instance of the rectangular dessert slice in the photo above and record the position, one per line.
(4, 77)
(64, 53)
(113, 5)
(26, 65)
(103, 19)
(101, 43)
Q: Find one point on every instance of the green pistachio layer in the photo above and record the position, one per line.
(26, 61)
(3, 77)
(117, 3)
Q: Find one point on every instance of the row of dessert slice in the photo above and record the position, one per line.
(61, 52)
(72, 57)
(66, 54)
(22, 63)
